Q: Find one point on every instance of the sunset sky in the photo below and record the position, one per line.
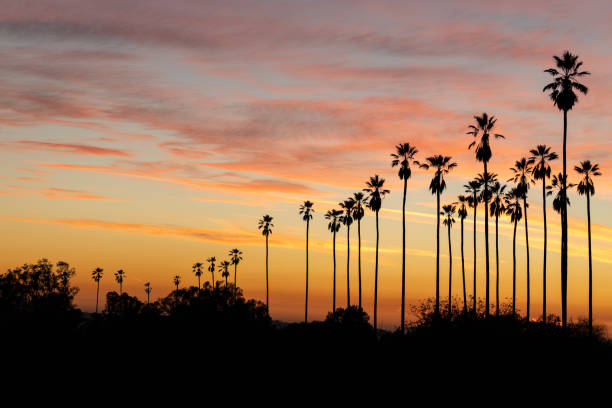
(149, 135)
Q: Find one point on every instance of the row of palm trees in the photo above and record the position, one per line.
(120, 276)
(485, 189)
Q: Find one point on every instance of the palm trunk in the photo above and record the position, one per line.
(120, 288)
(404, 256)
(306, 305)
(475, 208)
(226, 281)
(235, 281)
(267, 285)
(528, 275)
(97, 296)
(376, 278)
(514, 270)
(450, 272)
(497, 264)
(564, 228)
(486, 209)
(438, 253)
(590, 266)
(545, 250)
(463, 271)
(199, 285)
(359, 255)
(334, 257)
(348, 265)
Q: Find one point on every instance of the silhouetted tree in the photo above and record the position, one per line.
(96, 275)
(565, 82)
(235, 256)
(148, 291)
(358, 213)
(522, 177)
(497, 209)
(177, 281)
(306, 211)
(334, 226)
(462, 213)
(448, 213)
(540, 157)
(211, 268)
(403, 156)
(376, 193)
(64, 274)
(265, 225)
(347, 220)
(587, 171)
(513, 209)
(482, 131)
(225, 274)
(472, 188)
(119, 277)
(197, 270)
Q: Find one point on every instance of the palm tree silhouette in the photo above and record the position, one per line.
(177, 281)
(376, 193)
(565, 81)
(482, 132)
(522, 177)
(512, 201)
(587, 171)
(148, 291)
(462, 213)
(225, 265)
(541, 156)
(448, 211)
(404, 154)
(334, 226)
(96, 275)
(265, 225)
(197, 270)
(235, 256)
(472, 188)
(347, 219)
(497, 209)
(442, 165)
(211, 269)
(306, 211)
(358, 213)
(119, 277)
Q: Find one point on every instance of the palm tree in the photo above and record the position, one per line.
(225, 265)
(376, 193)
(197, 270)
(235, 256)
(462, 213)
(148, 291)
(306, 211)
(96, 275)
(448, 211)
(497, 209)
(404, 154)
(347, 219)
(177, 281)
(334, 226)
(541, 156)
(482, 132)
(265, 225)
(119, 277)
(512, 201)
(472, 188)
(211, 269)
(358, 213)
(565, 81)
(522, 177)
(442, 165)
(587, 171)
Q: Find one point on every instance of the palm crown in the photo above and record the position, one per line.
(197, 268)
(448, 211)
(96, 275)
(462, 210)
(522, 175)
(442, 166)
(473, 189)
(486, 179)
(497, 205)
(235, 255)
(587, 170)
(556, 185)
(565, 81)
(347, 205)
(540, 156)
(513, 206)
(334, 217)
(120, 276)
(265, 225)
(360, 201)
(176, 280)
(482, 133)
(306, 210)
(404, 154)
(376, 193)
(211, 261)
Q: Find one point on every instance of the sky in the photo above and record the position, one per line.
(150, 135)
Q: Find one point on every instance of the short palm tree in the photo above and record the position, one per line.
(512, 201)
(448, 211)
(177, 281)
(334, 226)
(306, 211)
(587, 171)
(358, 213)
(225, 267)
(148, 291)
(347, 219)
(523, 178)
(565, 82)
(376, 193)
(472, 189)
(442, 165)
(197, 270)
(482, 132)
(265, 225)
(119, 277)
(462, 213)
(497, 209)
(235, 257)
(541, 156)
(96, 275)
(211, 268)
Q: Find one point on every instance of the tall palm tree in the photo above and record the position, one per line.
(472, 188)
(522, 177)
(96, 275)
(211, 269)
(225, 274)
(442, 165)
(334, 226)
(197, 270)
(482, 132)
(306, 211)
(265, 225)
(376, 193)
(565, 82)
(487, 179)
(347, 219)
(512, 201)
(403, 156)
(235, 256)
(148, 291)
(358, 213)
(119, 277)
(540, 157)
(587, 171)
(177, 281)
(497, 209)
(462, 213)
(448, 211)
